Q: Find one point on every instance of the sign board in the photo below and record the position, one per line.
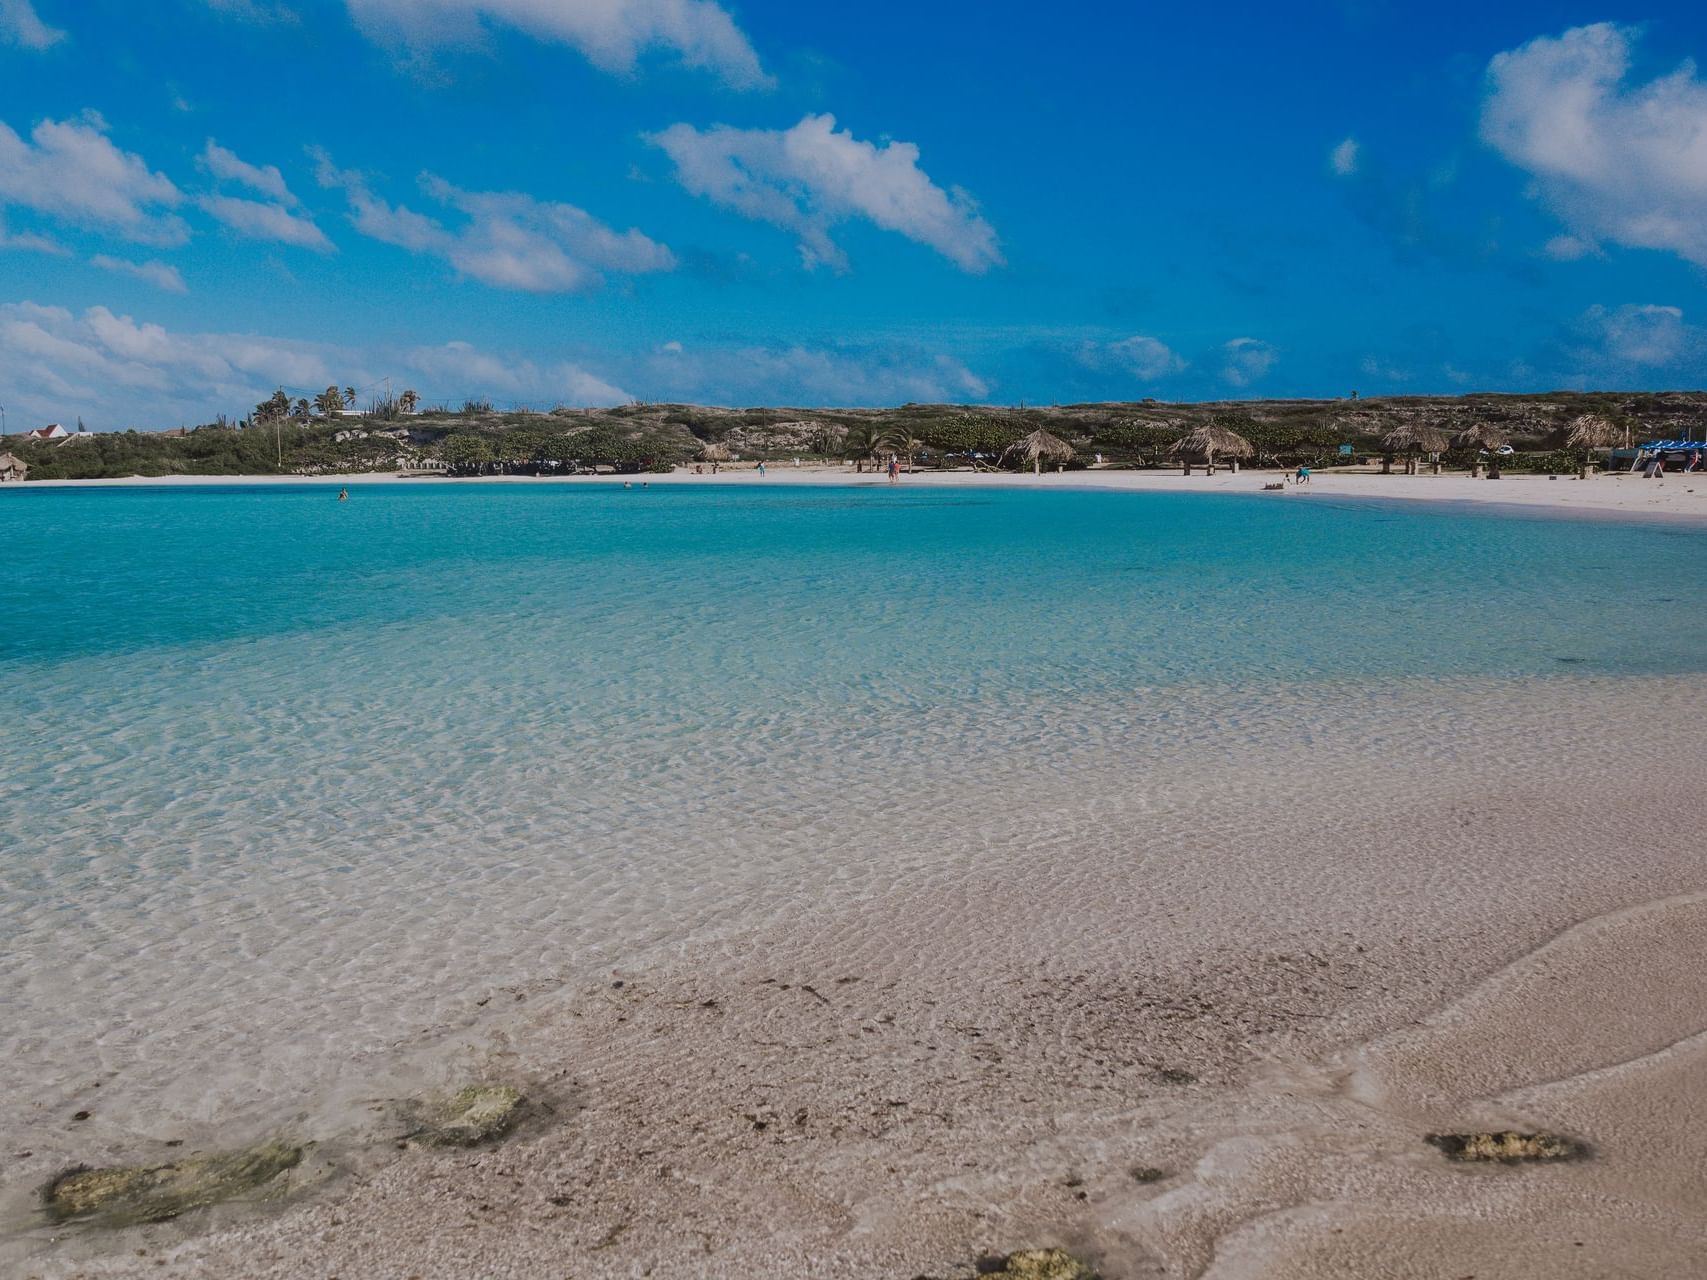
(1345, 451)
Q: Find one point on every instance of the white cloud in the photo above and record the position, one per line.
(260, 220)
(1344, 158)
(160, 274)
(71, 170)
(115, 371)
(852, 377)
(808, 178)
(261, 11)
(30, 242)
(508, 240)
(611, 34)
(1615, 161)
(1246, 360)
(1384, 370)
(1644, 335)
(1147, 359)
(266, 180)
(1567, 248)
(277, 218)
(459, 371)
(21, 25)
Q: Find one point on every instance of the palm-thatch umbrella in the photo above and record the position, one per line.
(714, 453)
(1037, 446)
(1479, 435)
(1410, 439)
(1206, 440)
(1591, 432)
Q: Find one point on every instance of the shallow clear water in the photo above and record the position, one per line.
(286, 781)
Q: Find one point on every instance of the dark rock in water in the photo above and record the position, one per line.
(1037, 1264)
(471, 1116)
(1506, 1148)
(128, 1194)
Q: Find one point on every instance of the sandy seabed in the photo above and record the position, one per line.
(1207, 1039)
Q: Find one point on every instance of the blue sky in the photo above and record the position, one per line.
(587, 201)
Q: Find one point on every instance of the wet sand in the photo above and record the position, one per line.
(1212, 1053)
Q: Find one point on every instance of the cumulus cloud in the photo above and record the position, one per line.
(262, 220)
(1618, 161)
(20, 25)
(265, 180)
(278, 218)
(1147, 359)
(159, 274)
(611, 34)
(1643, 335)
(1343, 158)
(30, 242)
(847, 377)
(1246, 360)
(507, 239)
(71, 170)
(116, 371)
(810, 177)
(459, 365)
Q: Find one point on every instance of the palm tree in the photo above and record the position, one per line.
(300, 410)
(349, 397)
(328, 402)
(407, 401)
(863, 442)
(906, 444)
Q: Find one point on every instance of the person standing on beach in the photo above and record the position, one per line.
(761, 470)
(894, 469)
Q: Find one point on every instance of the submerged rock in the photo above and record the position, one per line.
(1042, 1264)
(1506, 1148)
(128, 1194)
(471, 1116)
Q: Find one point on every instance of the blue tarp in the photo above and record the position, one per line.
(1656, 446)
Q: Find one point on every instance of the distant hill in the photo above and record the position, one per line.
(640, 436)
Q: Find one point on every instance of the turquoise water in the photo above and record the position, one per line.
(791, 590)
(285, 782)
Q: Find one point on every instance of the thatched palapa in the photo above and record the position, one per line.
(1479, 435)
(1411, 439)
(1038, 447)
(1591, 432)
(711, 451)
(1210, 440)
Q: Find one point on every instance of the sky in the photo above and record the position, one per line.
(586, 202)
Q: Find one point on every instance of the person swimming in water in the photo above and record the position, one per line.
(343, 495)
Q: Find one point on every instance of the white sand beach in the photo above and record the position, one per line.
(1620, 494)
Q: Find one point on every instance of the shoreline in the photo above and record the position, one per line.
(1679, 498)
